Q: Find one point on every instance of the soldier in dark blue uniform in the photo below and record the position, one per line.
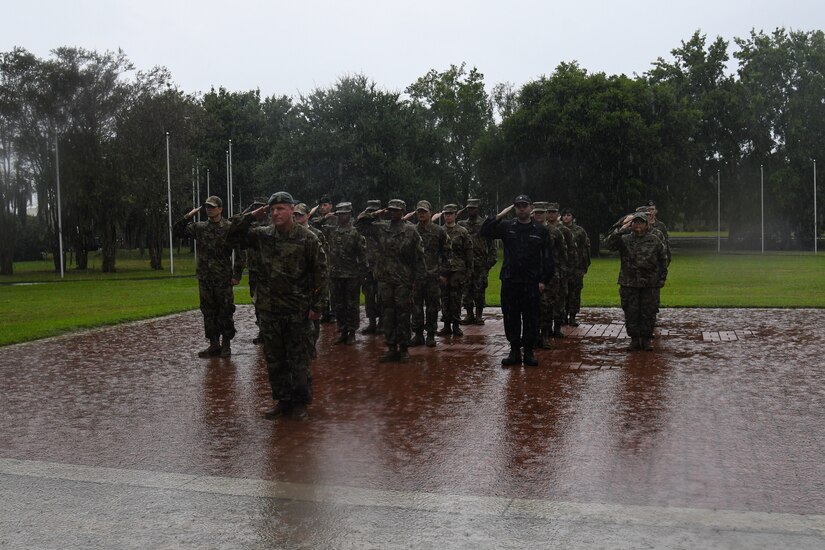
(527, 268)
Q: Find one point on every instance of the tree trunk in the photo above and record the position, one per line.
(8, 228)
(109, 249)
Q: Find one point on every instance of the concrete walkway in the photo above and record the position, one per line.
(121, 437)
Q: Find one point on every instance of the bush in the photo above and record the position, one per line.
(32, 240)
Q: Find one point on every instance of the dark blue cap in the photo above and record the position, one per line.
(523, 198)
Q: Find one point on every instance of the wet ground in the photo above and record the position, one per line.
(121, 437)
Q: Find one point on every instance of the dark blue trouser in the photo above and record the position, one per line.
(520, 306)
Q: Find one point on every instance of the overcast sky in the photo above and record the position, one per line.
(291, 47)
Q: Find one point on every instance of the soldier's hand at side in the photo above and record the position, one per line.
(314, 315)
(541, 288)
(442, 281)
(235, 281)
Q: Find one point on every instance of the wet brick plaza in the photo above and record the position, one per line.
(122, 438)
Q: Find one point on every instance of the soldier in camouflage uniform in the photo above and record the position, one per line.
(292, 282)
(216, 274)
(559, 311)
(655, 223)
(370, 286)
(322, 218)
(576, 272)
(484, 258)
(251, 262)
(461, 264)
(301, 216)
(550, 296)
(427, 295)
(347, 264)
(400, 268)
(643, 271)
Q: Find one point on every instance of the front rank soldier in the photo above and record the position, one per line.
(301, 216)
(484, 258)
(399, 269)
(216, 274)
(427, 295)
(347, 264)
(577, 271)
(370, 285)
(292, 282)
(461, 264)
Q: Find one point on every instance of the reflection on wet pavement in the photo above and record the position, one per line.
(704, 423)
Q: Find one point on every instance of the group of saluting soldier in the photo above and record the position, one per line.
(307, 266)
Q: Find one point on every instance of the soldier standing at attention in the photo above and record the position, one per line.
(293, 279)
(300, 214)
(347, 264)
(654, 223)
(551, 292)
(427, 295)
(252, 265)
(577, 271)
(643, 272)
(400, 268)
(215, 274)
(559, 312)
(321, 217)
(484, 258)
(527, 268)
(370, 285)
(460, 265)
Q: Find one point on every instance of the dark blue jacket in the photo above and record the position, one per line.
(528, 254)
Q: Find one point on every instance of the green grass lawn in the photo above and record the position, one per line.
(90, 299)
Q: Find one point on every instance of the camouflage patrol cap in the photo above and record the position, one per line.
(214, 201)
(424, 205)
(539, 206)
(643, 209)
(281, 197)
(373, 205)
(567, 210)
(473, 203)
(343, 208)
(640, 216)
(552, 207)
(301, 209)
(397, 204)
(450, 208)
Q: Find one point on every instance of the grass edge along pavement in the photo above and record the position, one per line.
(32, 311)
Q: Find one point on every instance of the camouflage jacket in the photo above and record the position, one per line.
(347, 251)
(582, 248)
(437, 249)
(462, 245)
(400, 253)
(572, 252)
(644, 262)
(484, 249)
(292, 275)
(214, 254)
(559, 245)
(665, 237)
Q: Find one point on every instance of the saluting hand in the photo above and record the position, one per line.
(504, 212)
(192, 212)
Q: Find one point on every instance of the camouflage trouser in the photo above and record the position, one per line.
(426, 302)
(574, 292)
(548, 303)
(345, 292)
(560, 304)
(287, 355)
(370, 289)
(476, 289)
(640, 306)
(397, 303)
(253, 284)
(217, 305)
(451, 296)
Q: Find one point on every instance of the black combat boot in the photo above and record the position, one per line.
(258, 340)
(430, 340)
(557, 333)
(416, 340)
(545, 338)
(470, 318)
(529, 359)
(281, 408)
(572, 320)
(446, 331)
(479, 316)
(298, 412)
(647, 344)
(403, 354)
(635, 344)
(213, 350)
(514, 358)
(226, 347)
(391, 356)
(342, 338)
(457, 330)
(350, 337)
(370, 328)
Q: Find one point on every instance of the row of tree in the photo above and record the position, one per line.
(600, 143)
